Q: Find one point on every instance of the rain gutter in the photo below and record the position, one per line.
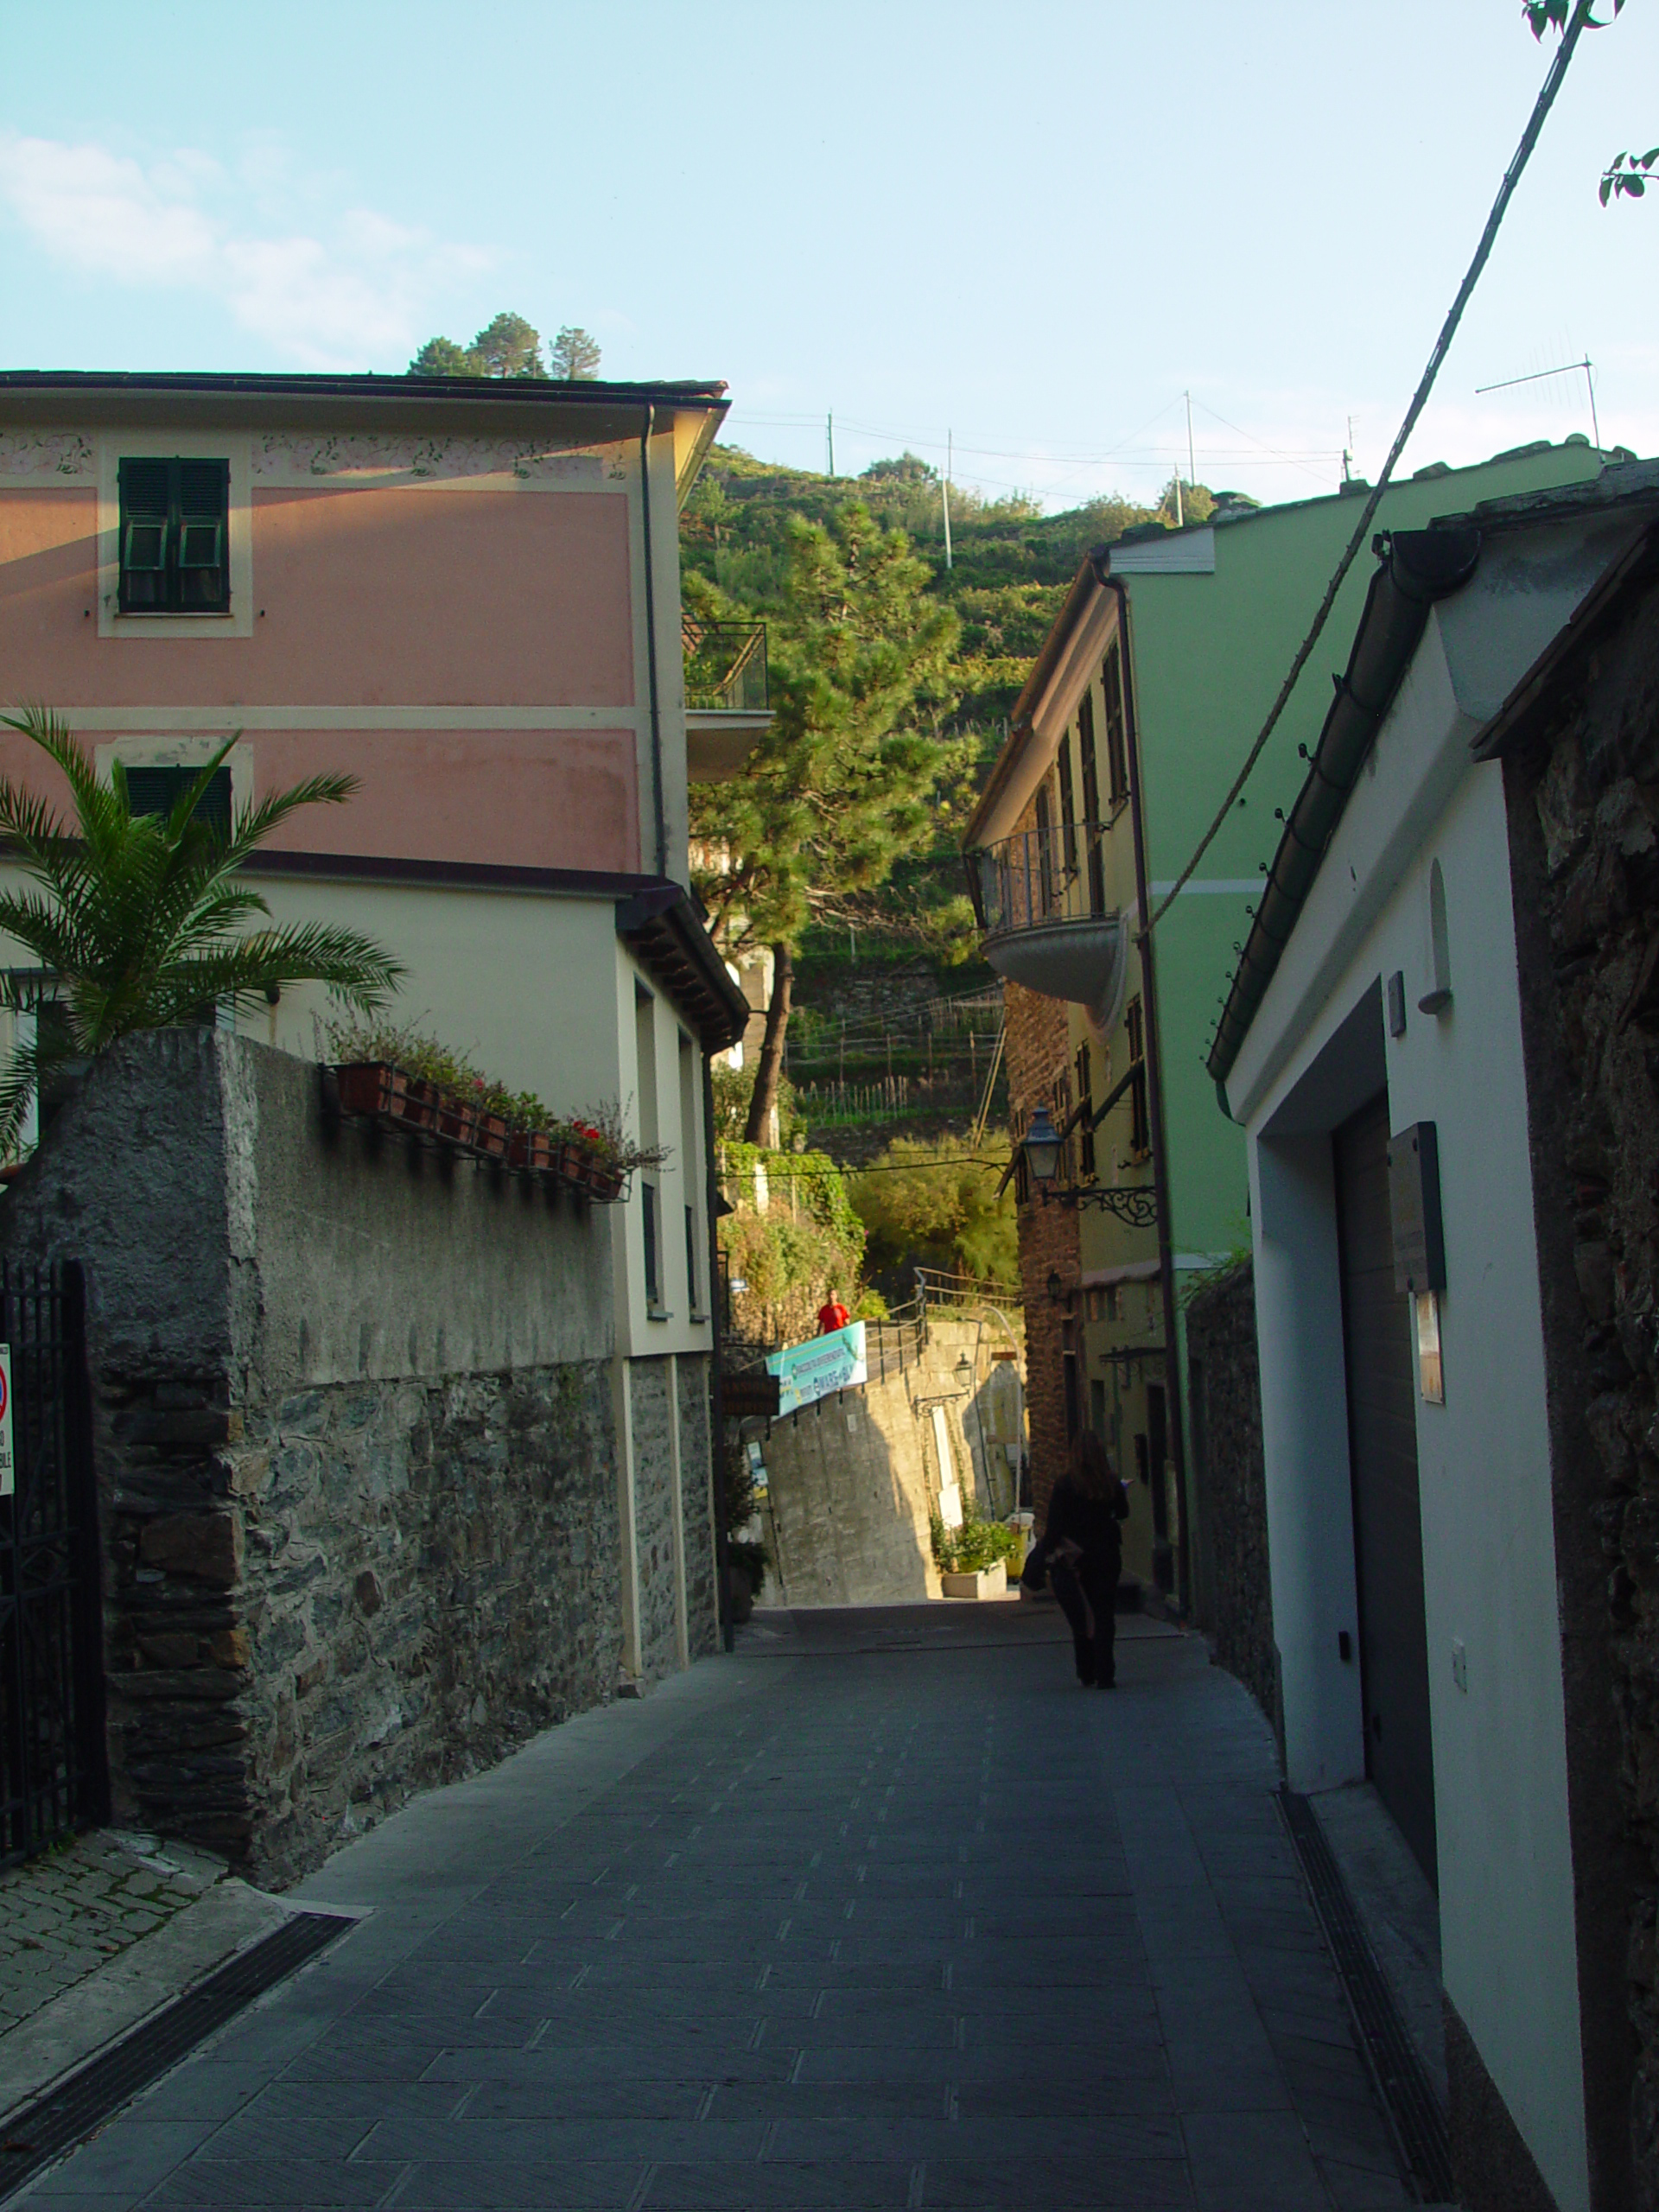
(1416, 568)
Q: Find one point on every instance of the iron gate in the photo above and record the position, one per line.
(53, 1774)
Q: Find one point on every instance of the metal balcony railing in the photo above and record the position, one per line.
(1057, 874)
(725, 665)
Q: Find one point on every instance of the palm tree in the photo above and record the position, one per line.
(139, 919)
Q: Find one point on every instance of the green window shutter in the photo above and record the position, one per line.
(175, 536)
(158, 790)
(204, 500)
(145, 505)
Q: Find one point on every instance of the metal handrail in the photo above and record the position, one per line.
(1057, 874)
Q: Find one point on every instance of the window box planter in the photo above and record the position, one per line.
(606, 1186)
(530, 1150)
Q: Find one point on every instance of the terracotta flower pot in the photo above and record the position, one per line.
(421, 1103)
(457, 1121)
(531, 1150)
(371, 1087)
(491, 1137)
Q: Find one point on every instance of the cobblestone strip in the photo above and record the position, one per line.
(64, 1915)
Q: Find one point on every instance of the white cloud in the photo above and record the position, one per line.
(354, 288)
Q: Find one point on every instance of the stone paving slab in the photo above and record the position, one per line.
(883, 1912)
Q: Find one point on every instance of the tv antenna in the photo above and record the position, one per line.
(1569, 369)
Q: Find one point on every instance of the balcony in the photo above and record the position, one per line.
(1039, 898)
(726, 707)
(725, 665)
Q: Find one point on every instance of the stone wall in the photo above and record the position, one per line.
(1229, 1473)
(354, 1446)
(654, 1414)
(697, 1478)
(853, 1478)
(1583, 798)
(1039, 1053)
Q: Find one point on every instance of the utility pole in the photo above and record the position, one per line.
(830, 432)
(945, 490)
(1191, 465)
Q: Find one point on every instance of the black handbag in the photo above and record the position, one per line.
(1033, 1575)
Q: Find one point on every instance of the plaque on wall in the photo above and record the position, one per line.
(1414, 1208)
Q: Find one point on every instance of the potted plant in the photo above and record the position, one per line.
(972, 1560)
(494, 1105)
(530, 1144)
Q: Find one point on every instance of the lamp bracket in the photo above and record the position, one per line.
(1135, 1205)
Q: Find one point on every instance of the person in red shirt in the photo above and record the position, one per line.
(832, 1316)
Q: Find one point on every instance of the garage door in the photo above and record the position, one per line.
(1382, 1451)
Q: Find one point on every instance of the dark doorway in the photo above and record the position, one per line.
(1382, 1460)
(53, 1774)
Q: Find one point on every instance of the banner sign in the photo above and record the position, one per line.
(813, 1370)
(7, 1472)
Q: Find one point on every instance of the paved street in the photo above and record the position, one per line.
(884, 1911)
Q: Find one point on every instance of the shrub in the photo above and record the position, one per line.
(976, 1545)
(927, 1205)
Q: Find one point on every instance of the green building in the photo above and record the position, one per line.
(1139, 710)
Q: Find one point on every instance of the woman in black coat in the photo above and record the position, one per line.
(1083, 1543)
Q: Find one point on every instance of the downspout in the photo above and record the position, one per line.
(1155, 1101)
(716, 1403)
(661, 820)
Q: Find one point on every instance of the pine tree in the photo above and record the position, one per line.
(574, 354)
(442, 357)
(842, 787)
(510, 347)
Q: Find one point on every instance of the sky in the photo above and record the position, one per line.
(1027, 234)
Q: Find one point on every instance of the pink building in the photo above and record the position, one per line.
(465, 594)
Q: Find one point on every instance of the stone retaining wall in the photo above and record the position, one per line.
(354, 1441)
(1236, 1595)
(1583, 801)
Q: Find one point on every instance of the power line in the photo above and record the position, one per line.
(1512, 176)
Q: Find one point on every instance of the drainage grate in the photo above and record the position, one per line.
(56, 2122)
(1400, 2074)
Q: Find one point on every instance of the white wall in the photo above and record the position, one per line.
(1507, 1914)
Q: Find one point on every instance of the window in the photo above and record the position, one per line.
(648, 1197)
(174, 538)
(1140, 1121)
(690, 1165)
(1045, 852)
(1068, 808)
(651, 1197)
(158, 790)
(1092, 804)
(1085, 1129)
(1061, 1111)
(1117, 759)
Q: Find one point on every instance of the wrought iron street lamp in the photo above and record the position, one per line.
(1134, 1204)
(1042, 1148)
